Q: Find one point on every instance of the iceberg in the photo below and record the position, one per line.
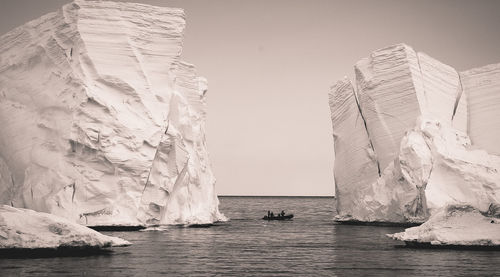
(455, 226)
(418, 114)
(23, 229)
(102, 122)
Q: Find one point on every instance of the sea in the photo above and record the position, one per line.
(309, 245)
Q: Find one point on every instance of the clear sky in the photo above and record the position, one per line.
(270, 64)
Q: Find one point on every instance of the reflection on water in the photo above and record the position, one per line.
(310, 245)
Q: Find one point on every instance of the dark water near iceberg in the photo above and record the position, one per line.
(310, 245)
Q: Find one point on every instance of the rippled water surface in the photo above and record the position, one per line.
(310, 245)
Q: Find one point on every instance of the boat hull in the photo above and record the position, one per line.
(285, 217)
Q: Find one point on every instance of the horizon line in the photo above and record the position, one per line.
(298, 196)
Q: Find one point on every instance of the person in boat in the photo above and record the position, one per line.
(282, 213)
(268, 213)
(272, 214)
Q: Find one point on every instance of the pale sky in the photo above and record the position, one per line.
(270, 64)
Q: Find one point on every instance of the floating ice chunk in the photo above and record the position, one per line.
(27, 229)
(454, 226)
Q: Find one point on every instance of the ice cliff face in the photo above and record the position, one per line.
(482, 87)
(401, 138)
(102, 123)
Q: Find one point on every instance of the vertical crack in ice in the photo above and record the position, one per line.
(459, 95)
(178, 181)
(421, 203)
(138, 58)
(152, 163)
(366, 128)
(12, 194)
(151, 167)
(74, 190)
(423, 84)
(422, 209)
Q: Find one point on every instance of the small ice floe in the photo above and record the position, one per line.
(456, 226)
(26, 233)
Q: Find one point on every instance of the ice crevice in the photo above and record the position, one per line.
(367, 132)
(459, 96)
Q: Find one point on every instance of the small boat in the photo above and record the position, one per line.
(279, 217)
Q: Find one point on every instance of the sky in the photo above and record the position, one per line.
(270, 64)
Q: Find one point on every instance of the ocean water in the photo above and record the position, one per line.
(309, 245)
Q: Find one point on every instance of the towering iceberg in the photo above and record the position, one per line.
(102, 123)
(417, 115)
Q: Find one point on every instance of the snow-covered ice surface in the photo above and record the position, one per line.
(102, 123)
(27, 229)
(417, 114)
(455, 226)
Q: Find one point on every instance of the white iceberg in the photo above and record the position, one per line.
(415, 114)
(102, 123)
(455, 226)
(27, 229)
